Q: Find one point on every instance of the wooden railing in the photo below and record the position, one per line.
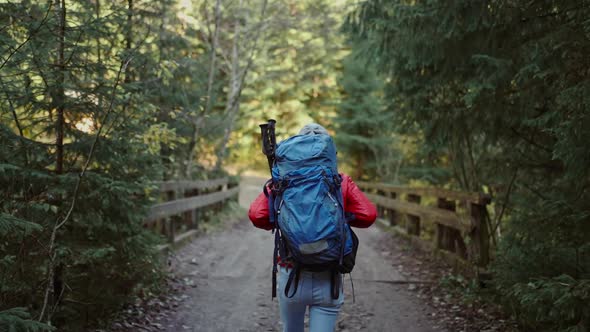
(448, 222)
(178, 216)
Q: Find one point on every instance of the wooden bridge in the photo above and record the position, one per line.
(229, 272)
(450, 224)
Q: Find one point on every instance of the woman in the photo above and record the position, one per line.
(314, 288)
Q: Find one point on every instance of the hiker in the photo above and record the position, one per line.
(321, 291)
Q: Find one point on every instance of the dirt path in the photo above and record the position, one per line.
(228, 274)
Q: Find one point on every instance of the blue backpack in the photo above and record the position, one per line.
(307, 211)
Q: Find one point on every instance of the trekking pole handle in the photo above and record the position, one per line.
(264, 133)
(269, 141)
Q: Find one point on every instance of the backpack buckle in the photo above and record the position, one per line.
(280, 186)
(337, 179)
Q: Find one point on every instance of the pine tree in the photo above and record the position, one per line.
(363, 128)
(67, 241)
(499, 92)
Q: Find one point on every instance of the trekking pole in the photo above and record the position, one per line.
(269, 141)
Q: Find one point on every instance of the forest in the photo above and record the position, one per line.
(100, 100)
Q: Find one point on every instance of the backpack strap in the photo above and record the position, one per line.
(279, 248)
(271, 201)
(274, 264)
(293, 276)
(335, 284)
(275, 229)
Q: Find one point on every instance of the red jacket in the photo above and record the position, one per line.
(354, 202)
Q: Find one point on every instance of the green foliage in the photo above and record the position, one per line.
(9, 224)
(121, 74)
(466, 289)
(497, 93)
(19, 320)
(561, 301)
(128, 81)
(363, 130)
(294, 75)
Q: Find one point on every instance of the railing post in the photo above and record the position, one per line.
(169, 222)
(448, 238)
(196, 212)
(413, 222)
(443, 238)
(391, 212)
(224, 202)
(380, 209)
(217, 206)
(480, 246)
(236, 197)
(190, 218)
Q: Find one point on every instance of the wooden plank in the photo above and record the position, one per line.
(474, 197)
(178, 206)
(428, 214)
(191, 185)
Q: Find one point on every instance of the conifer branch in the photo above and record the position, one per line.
(16, 120)
(126, 104)
(12, 109)
(29, 37)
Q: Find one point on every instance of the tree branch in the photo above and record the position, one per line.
(505, 202)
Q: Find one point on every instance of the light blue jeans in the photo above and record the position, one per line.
(313, 291)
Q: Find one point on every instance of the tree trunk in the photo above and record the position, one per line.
(129, 37)
(54, 291)
(233, 106)
(237, 78)
(59, 96)
(211, 79)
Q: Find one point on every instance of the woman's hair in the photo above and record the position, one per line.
(313, 129)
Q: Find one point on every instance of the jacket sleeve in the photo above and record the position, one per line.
(258, 212)
(356, 203)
